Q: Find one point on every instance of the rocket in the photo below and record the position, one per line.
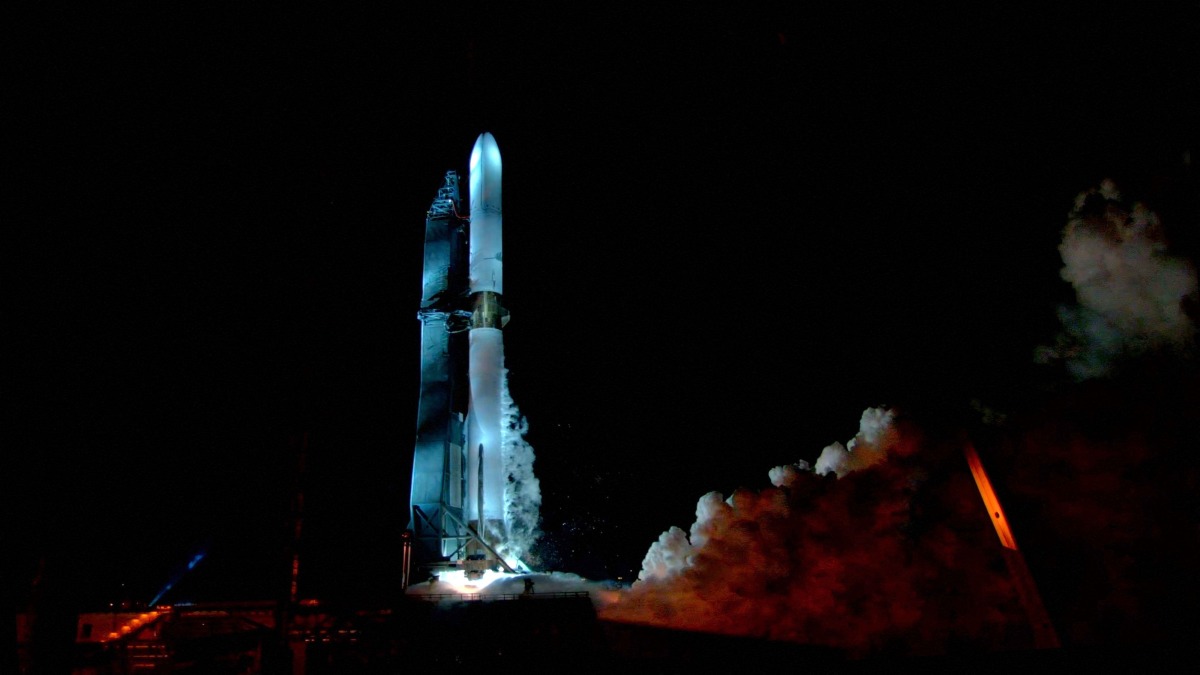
(486, 355)
(458, 480)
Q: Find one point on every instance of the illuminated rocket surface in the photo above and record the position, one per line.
(485, 471)
(474, 497)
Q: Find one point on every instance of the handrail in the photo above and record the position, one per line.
(437, 597)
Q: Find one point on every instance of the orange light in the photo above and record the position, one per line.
(989, 499)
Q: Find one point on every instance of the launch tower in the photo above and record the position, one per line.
(457, 497)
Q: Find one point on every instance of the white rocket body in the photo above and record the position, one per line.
(486, 362)
(485, 479)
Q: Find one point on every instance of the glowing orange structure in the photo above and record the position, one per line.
(1044, 635)
(989, 499)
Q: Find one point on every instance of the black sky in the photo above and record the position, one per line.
(726, 235)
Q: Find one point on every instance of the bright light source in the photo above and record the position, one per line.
(458, 582)
(989, 499)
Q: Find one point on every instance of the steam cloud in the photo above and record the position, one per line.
(855, 561)
(522, 491)
(869, 447)
(1131, 291)
(879, 547)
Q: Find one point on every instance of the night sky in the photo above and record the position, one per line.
(726, 235)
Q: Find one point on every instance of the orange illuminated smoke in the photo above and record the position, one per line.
(989, 499)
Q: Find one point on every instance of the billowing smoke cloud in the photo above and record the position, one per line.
(875, 437)
(522, 492)
(883, 546)
(889, 555)
(1130, 290)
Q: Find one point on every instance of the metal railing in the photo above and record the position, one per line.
(439, 597)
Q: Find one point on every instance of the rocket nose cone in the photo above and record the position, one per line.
(486, 137)
(485, 152)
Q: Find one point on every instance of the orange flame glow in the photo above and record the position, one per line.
(989, 499)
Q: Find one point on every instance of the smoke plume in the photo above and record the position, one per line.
(522, 492)
(887, 549)
(1130, 290)
(889, 555)
(875, 437)
(882, 544)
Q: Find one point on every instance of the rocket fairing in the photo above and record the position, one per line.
(457, 498)
(487, 218)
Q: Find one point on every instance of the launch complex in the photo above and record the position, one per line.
(459, 474)
(459, 524)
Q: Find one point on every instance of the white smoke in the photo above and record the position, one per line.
(788, 474)
(1130, 290)
(674, 552)
(829, 561)
(522, 491)
(671, 554)
(875, 437)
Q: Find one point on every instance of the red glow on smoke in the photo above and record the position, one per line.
(896, 557)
